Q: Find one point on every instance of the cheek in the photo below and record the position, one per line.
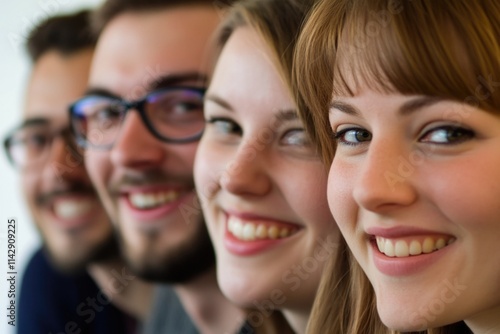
(339, 196)
(183, 156)
(308, 196)
(31, 183)
(466, 195)
(204, 167)
(98, 166)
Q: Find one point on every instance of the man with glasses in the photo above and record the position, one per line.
(139, 123)
(57, 295)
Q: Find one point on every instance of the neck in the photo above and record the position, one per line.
(126, 291)
(207, 307)
(486, 322)
(297, 319)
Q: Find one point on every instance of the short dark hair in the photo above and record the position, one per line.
(112, 8)
(64, 33)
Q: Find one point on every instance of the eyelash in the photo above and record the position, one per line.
(218, 122)
(223, 120)
(338, 136)
(449, 128)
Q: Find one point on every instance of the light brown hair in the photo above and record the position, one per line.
(279, 22)
(447, 49)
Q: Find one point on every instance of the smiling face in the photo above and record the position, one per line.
(147, 185)
(261, 184)
(413, 188)
(65, 208)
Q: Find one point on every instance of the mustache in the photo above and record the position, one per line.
(75, 188)
(150, 178)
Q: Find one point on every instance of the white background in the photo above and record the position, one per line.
(17, 18)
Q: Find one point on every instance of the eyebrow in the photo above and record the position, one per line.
(406, 108)
(101, 92)
(219, 101)
(344, 107)
(165, 81)
(287, 115)
(33, 122)
(418, 103)
(198, 79)
(284, 115)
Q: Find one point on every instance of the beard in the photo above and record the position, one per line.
(106, 250)
(81, 254)
(173, 266)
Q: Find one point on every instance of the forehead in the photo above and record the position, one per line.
(55, 82)
(247, 73)
(137, 47)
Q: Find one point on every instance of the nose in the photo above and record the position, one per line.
(246, 175)
(135, 146)
(385, 179)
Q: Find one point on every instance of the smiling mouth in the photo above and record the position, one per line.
(412, 247)
(151, 200)
(257, 230)
(69, 209)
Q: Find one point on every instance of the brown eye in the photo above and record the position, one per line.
(296, 137)
(353, 136)
(225, 126)
(447, 135)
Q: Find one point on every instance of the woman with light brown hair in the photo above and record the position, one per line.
(261, 183)
(403, 100)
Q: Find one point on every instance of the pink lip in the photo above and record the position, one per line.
(253, 217)
(248, 248)
(150, 215)
(400, 232)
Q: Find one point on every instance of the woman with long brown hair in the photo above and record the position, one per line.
(403, 101)
(261, 183)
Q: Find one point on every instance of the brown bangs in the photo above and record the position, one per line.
(447, 49)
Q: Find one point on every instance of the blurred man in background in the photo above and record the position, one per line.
(140, 122)
(57, 293)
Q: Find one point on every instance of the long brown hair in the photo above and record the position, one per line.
(278, 23)
(448, 49)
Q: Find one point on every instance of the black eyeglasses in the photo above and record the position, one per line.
(173, 115)
(29, 145)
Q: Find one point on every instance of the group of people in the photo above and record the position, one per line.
(263, 166)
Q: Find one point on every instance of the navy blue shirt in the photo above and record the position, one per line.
(53, 303)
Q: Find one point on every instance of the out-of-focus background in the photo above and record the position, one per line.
(17, 18)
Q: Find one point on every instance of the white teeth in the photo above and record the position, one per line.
(238, 229)
(389, 248)
(150, 200)
(428, 246)
(284, 233)
(70, 209)
(400, 248)
(261, 232)
(415, 248)
(273, 232)
(249, 231)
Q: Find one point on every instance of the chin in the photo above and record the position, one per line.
(68, 265)
(408, 321)
(241, 289)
